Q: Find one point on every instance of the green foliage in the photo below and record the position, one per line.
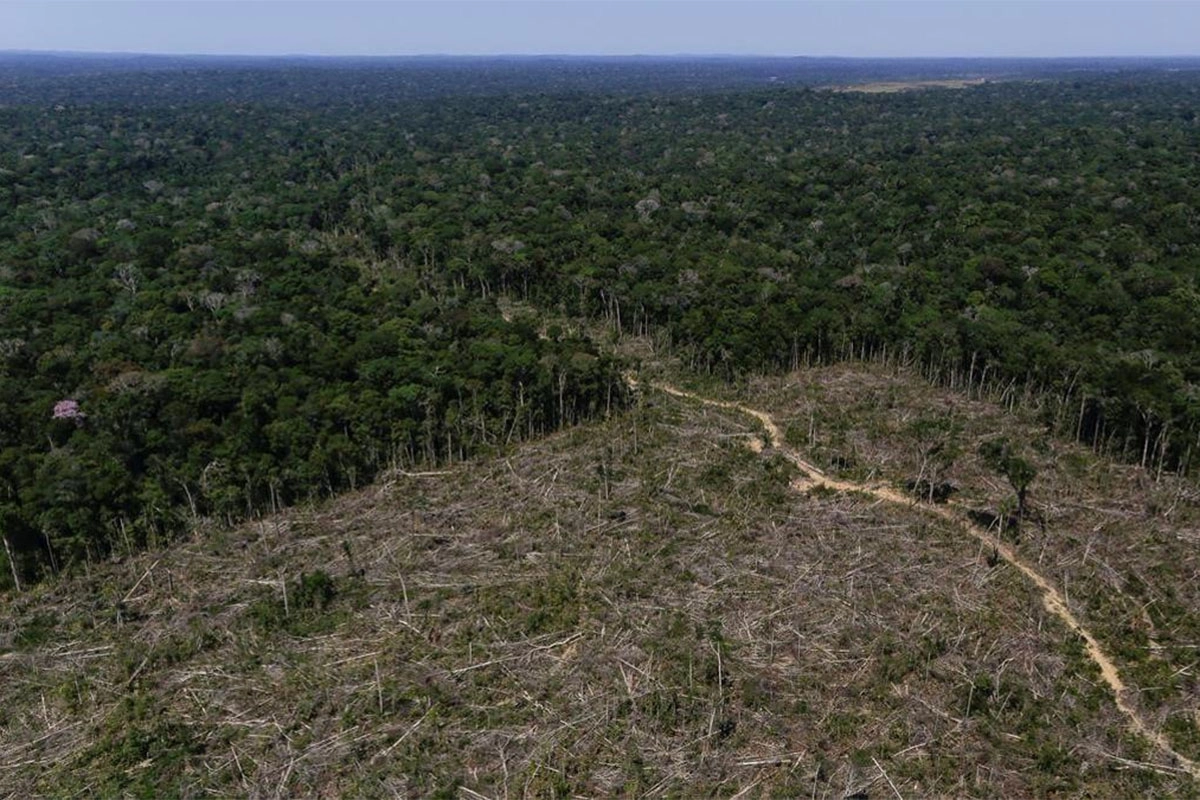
(306, 606)
(261, 289)
(314, 591)
(35, 631)
(1004, 457)
(142, 752)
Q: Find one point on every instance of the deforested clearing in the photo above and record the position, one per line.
(640, 605)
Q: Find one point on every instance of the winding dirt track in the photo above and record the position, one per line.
(1052, 599)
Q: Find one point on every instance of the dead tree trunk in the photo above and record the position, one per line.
(12, 565)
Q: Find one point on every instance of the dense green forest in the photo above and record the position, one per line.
(227, 287)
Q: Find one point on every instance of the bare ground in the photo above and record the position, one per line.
(892, 87)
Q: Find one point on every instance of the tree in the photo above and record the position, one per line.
(1000, 454)
(937, 441)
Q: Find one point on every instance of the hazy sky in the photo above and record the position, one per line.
(848, 28)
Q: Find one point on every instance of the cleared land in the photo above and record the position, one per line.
(644, 606)
(1055, 603)
(891, 87)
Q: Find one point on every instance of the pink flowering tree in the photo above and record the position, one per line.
(68, 409)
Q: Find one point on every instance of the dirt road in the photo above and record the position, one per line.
(1052, 599)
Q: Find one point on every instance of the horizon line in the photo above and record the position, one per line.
(514, 55)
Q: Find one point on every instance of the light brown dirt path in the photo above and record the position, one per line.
(1052, 599)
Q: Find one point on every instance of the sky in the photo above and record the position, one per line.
(866, 28)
